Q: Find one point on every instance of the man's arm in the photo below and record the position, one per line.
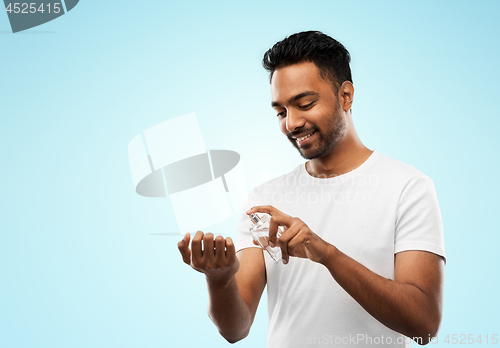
(411, 304)
(235, 282)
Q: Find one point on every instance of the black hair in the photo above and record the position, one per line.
(329, 55)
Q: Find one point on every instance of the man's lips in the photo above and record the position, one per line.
(304, 137)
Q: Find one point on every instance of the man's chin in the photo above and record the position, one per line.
(308, 153)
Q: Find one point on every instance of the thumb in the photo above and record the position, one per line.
(183, 246)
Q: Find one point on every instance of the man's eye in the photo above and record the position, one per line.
(281, 114)
(306, 106)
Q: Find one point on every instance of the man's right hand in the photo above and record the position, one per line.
(217, 260)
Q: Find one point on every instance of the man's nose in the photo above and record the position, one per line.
(294, 120)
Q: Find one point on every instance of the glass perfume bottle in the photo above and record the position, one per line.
(260, 233)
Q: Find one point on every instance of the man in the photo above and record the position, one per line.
(363, 251)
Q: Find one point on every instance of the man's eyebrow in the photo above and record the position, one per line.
(297, 97)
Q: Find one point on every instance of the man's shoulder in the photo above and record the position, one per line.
(396, 170)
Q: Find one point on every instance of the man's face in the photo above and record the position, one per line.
(308, 109)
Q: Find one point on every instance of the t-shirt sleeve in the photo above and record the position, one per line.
(243, 237)
(418, 222)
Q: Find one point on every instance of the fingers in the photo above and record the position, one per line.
(267, 209)
(273, 230)
(183, 246)
(288, 238)
(196, 251)
(208, 249)
(230, 251)
(207, 252)
(220, 250)
(277, 226)
(297, 238)
(278, 218)
(283, 244)
(292, 235)
(281, 218)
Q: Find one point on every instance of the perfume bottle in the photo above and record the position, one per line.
(260, 233)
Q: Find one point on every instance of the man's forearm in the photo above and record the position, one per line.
(401, 307)
(228, 311)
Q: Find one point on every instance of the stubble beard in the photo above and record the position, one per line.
(326, 142)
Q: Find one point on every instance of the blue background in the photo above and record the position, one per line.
(79, 265)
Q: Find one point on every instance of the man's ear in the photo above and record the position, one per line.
(346, 95)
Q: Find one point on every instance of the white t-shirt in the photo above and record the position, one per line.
(370, 213)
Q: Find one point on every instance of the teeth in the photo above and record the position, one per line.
(304, 137)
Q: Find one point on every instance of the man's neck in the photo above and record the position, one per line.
(343, 159)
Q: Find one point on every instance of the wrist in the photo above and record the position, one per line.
(330, 255)
(219, 282)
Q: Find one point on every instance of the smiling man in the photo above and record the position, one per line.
(362, 247)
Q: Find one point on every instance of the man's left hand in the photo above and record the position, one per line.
(297, 239)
